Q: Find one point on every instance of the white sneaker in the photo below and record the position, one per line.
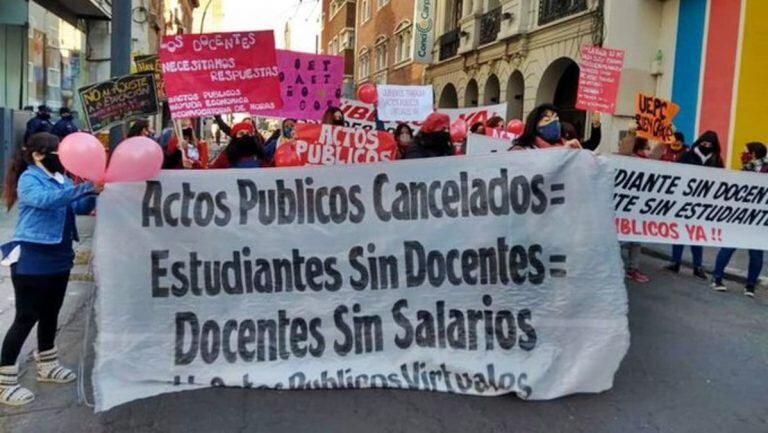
(718, 286)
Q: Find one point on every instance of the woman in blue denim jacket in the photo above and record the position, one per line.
(41, 257)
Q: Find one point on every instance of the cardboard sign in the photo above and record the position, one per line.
(310, 84)
(654, 118)
(599, 77)
(118, 100)
(220, 73)
(404, 103)
(151, 63)
(334, 145)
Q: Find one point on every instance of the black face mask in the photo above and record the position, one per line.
(52, 163)
(437, 139)
(44, 116)
(338, 122)
(187, 134)
(705, 150)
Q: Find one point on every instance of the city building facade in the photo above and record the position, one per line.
(337, 37)
(384, 43)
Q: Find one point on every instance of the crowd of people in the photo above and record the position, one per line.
(41, 253)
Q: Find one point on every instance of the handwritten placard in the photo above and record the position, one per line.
(404, 102)
(599, 77)
(310, 83)
(654, 118)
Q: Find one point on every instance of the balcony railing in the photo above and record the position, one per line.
(553, 10)
(449, 44)
(490, 24)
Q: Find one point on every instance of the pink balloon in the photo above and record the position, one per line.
(367, 93)
(459, 130)
(515, 126)
(135, 160)
(83, 155)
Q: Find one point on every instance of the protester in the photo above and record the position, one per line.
(41, 257)
(477, 128)
(754, 160)
(495, 122)
(278, 137)
(543, 131)
(140, 128)
(333, 116)
(245, 149)
(40, 123)
(670, 152)
(705, 152)
(433, 139)
(66, 123)
(638, 147)
(194, 150)
(403, 138)
(596, 134)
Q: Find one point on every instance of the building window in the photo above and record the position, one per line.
(403, 42)
(553, 10)
(364, 64)
(381, 53)
(365, 10)
(381, 3)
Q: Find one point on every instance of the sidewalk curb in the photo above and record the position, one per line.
(731, 274)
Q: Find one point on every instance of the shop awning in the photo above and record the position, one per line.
(74, 10)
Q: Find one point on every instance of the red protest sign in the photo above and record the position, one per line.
(335, 145)
(599, 76)
(219, 73)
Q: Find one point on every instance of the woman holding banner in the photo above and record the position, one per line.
(705, 151)
(433, 139)
(543, 131)
(40, 256)
(245, 149)
(754, 160)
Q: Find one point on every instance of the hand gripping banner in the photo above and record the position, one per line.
(483, 276)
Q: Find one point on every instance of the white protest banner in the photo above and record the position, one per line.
(478, 144)
(403, 103)
(663, 202)
(686, 204)
(360, 115)
(483, 276)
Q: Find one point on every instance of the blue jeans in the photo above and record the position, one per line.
(696, 251)
(755, 264)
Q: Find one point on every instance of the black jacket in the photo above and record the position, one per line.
(429, 146)
(693, 158)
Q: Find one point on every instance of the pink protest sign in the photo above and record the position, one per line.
(310, 83)
(599, 76)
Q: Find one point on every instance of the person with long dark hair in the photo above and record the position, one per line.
(403, 138)
(245, 149)
(543, 131)
(41, 257)
(333, 116)
(433, 139)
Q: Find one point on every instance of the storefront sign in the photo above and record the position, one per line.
(423, 31)
(220, 73)
(118, 100)
(599, 77)
(459, 275)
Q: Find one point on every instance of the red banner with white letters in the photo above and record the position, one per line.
(220, 73)
(335, 145)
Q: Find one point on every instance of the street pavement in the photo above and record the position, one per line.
(698, 362)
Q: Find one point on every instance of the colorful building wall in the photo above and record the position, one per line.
(718, 80)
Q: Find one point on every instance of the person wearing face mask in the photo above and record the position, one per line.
(433, 139)
(40, 123)
(543, 131)
(41, 256)
(333, 116)
(278, 137)
(670, 152)
(637, 147)
(754, 160)
(140, 128)
(403, 138)
(705, 151)
(245, 149)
